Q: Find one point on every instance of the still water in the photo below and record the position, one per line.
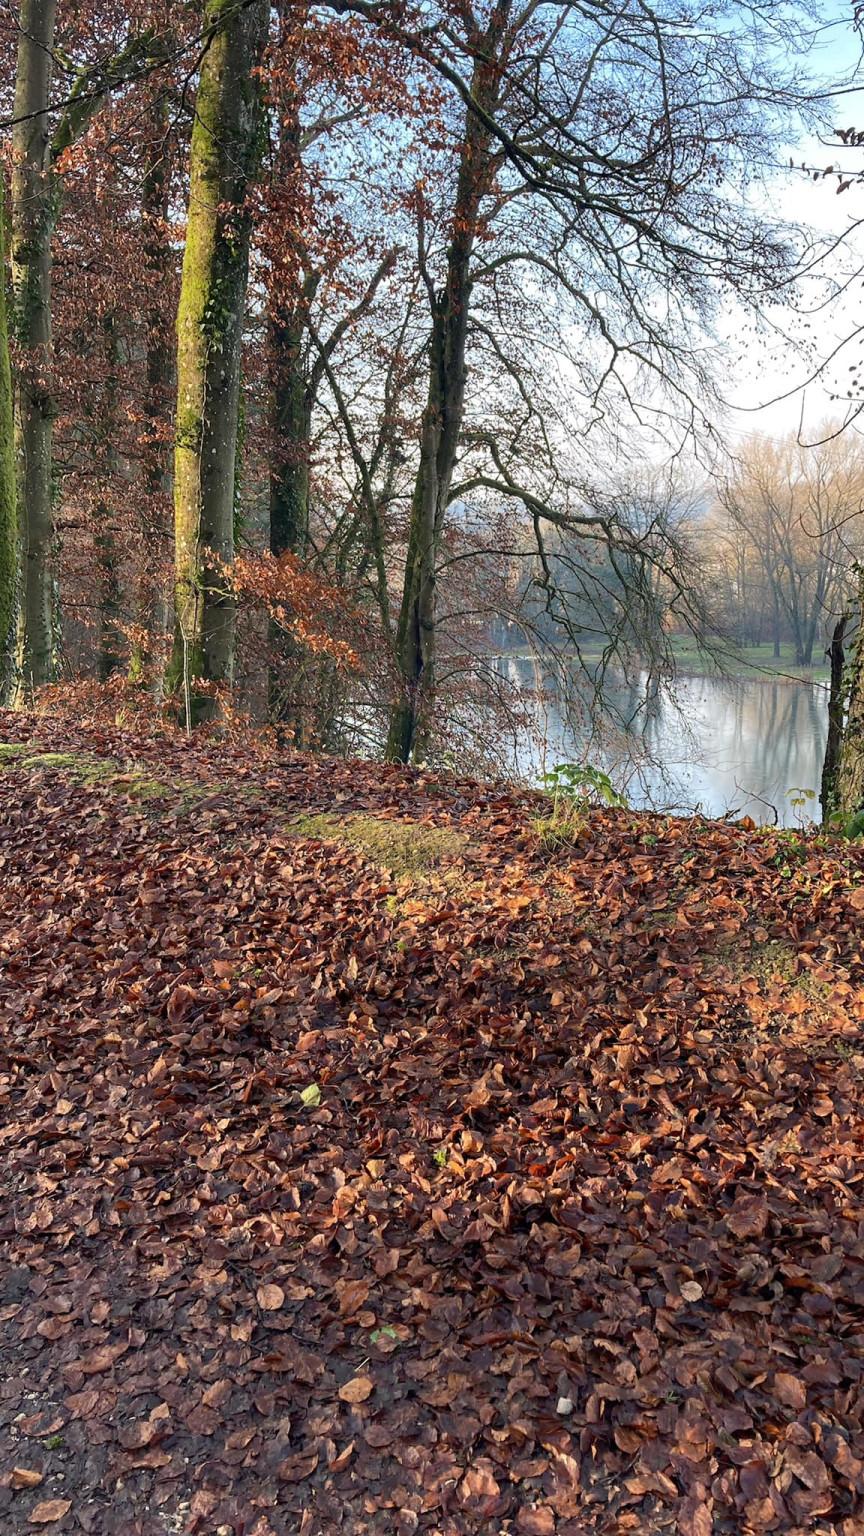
(712, 745)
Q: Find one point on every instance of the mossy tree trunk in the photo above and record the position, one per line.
(33, 216)
(412, 711)
(33, 212)
(224, 157)
(850, 770)
(8, 497)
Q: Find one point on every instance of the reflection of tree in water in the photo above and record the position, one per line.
(710, 743)
(793, 738)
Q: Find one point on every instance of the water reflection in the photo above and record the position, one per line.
(710, 745)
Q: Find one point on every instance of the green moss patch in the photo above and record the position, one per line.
(84, 768)
(403, 847)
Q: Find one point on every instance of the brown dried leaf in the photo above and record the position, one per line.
(270, 1297)
(790, 1390)
(352, 1295)
(536, 1522)
(134, 1437)
(25, 1477)
(50, 1510)
(748, 1216)
(357, 1389)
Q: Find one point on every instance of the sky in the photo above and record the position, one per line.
(768, 385)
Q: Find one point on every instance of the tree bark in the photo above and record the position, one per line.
(850, 772)
(107, 562)
(33, 213)
(290, 396)
(290, 428)
(412, 711)
(291, 425)
(836, 711)
(153, 608)
(224, 157)
(8, 496)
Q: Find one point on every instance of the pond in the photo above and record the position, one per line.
(709, 744)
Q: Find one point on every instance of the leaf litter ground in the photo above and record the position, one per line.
(521, 1193)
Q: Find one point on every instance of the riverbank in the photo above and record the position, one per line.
(375, 1163)
(751, 663)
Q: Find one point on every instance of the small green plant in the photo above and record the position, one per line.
(791, 851)
(850, 827)
(574, 787)
(799, 799)
(440, 1156)
(383, 1333)
(581, 782)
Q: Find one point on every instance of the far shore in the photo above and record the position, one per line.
(752, 663)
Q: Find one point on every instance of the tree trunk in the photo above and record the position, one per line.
(153, 614)
(107, 563)
(836, 710)
(8, 499)
(850, 772)
(33, 213)
(412, 711)
(415, 637)
(290, 424)
(224, 157)
(290, 429)
(290, 401)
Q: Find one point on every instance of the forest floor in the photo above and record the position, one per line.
(372, 1166)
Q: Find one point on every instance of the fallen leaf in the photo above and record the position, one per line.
(50, 1510)
(790, 1390)
(25, 1477)
(536, 1522)
(352, 1295)
(270, 1297)
(748, 1216)
(357, 1389)
(479, 1483)
(133, 1437)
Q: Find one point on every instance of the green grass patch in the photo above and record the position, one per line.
(565, 827)
(751, 661)
(403, 847)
